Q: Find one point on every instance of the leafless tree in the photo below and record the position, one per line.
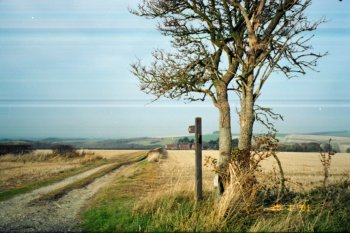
(227, 45)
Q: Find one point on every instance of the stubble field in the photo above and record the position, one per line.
(302, 170)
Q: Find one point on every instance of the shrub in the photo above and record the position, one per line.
(16, 149)
(65, 150)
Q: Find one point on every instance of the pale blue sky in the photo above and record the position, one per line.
(65, 72)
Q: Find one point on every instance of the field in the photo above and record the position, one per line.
(17, 171)
(109, 190)
(303, 170)
(160, 197)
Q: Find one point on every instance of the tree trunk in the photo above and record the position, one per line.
(225, 136)
(246, 120)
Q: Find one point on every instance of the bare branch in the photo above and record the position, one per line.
(263, 116)
(228, 45)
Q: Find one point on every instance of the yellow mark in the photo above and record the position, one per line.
(280, 207)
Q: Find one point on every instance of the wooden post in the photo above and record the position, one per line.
(198, 161)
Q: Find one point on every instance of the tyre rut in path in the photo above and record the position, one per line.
(17, 215)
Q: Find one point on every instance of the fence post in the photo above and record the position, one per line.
(198, 161)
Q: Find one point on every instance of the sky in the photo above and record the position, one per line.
(65, 72)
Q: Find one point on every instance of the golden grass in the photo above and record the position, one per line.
(302, 170)
(179, 168)
(16, 174)
(112, 154)
(48, 156)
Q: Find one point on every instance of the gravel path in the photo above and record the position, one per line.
(17, 215)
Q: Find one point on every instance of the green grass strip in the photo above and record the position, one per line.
(111, 210)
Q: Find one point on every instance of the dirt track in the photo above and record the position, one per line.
(61, 215)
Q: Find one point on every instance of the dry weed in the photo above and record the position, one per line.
(35, 157)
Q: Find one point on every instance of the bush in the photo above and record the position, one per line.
(64, 150)
(303, 147)
(16, 149)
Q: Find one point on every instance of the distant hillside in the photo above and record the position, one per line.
(85, 143)
(343, 133)
(340, 143)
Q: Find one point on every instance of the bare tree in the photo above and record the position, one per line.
(227, 45)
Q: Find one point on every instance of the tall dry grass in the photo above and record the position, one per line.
(175, 209)
(81, 157)
(244, 207)
(173, 206)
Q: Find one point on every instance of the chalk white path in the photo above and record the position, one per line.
(17, 215)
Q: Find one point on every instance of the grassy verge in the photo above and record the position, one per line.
(135, 157)
(54, 178)
(138, 201)
(112, 209)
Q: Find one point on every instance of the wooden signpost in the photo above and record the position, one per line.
(197, 129)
